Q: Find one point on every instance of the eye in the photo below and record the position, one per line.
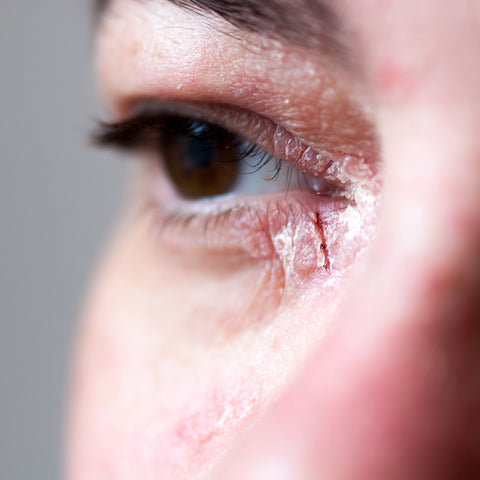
(202, 159)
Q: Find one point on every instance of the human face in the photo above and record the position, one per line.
(204, 310)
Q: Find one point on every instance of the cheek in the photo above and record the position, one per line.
(138, 419)
(145, 400)
(166, 375)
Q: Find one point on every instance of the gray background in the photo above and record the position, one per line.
(58, 199)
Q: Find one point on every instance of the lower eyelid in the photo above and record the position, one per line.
(294, 231)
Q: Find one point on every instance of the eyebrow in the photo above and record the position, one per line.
(310, 24)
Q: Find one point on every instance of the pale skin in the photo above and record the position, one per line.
(337, 340)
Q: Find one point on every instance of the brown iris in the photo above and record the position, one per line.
(202, 162)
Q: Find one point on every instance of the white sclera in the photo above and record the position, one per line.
(252, 180)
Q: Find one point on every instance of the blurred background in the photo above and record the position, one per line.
(58, 201)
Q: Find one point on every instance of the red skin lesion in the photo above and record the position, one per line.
(324, 246)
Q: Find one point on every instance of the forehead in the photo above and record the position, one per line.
(312, 24)
(385, 44)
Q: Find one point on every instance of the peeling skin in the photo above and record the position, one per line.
(304, 234)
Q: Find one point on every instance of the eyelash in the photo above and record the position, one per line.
(147, 129)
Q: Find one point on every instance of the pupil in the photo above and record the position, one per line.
(198, 154)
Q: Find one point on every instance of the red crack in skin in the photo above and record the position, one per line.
(323, 245)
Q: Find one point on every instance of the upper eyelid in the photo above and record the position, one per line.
(228, 117)
(128, 132)
(137, 131)
(268, 134)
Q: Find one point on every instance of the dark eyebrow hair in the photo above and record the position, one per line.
(311, 24)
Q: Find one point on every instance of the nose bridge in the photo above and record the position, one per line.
(412, 340)
(424, 270)
(422, 281)
(429, 235)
